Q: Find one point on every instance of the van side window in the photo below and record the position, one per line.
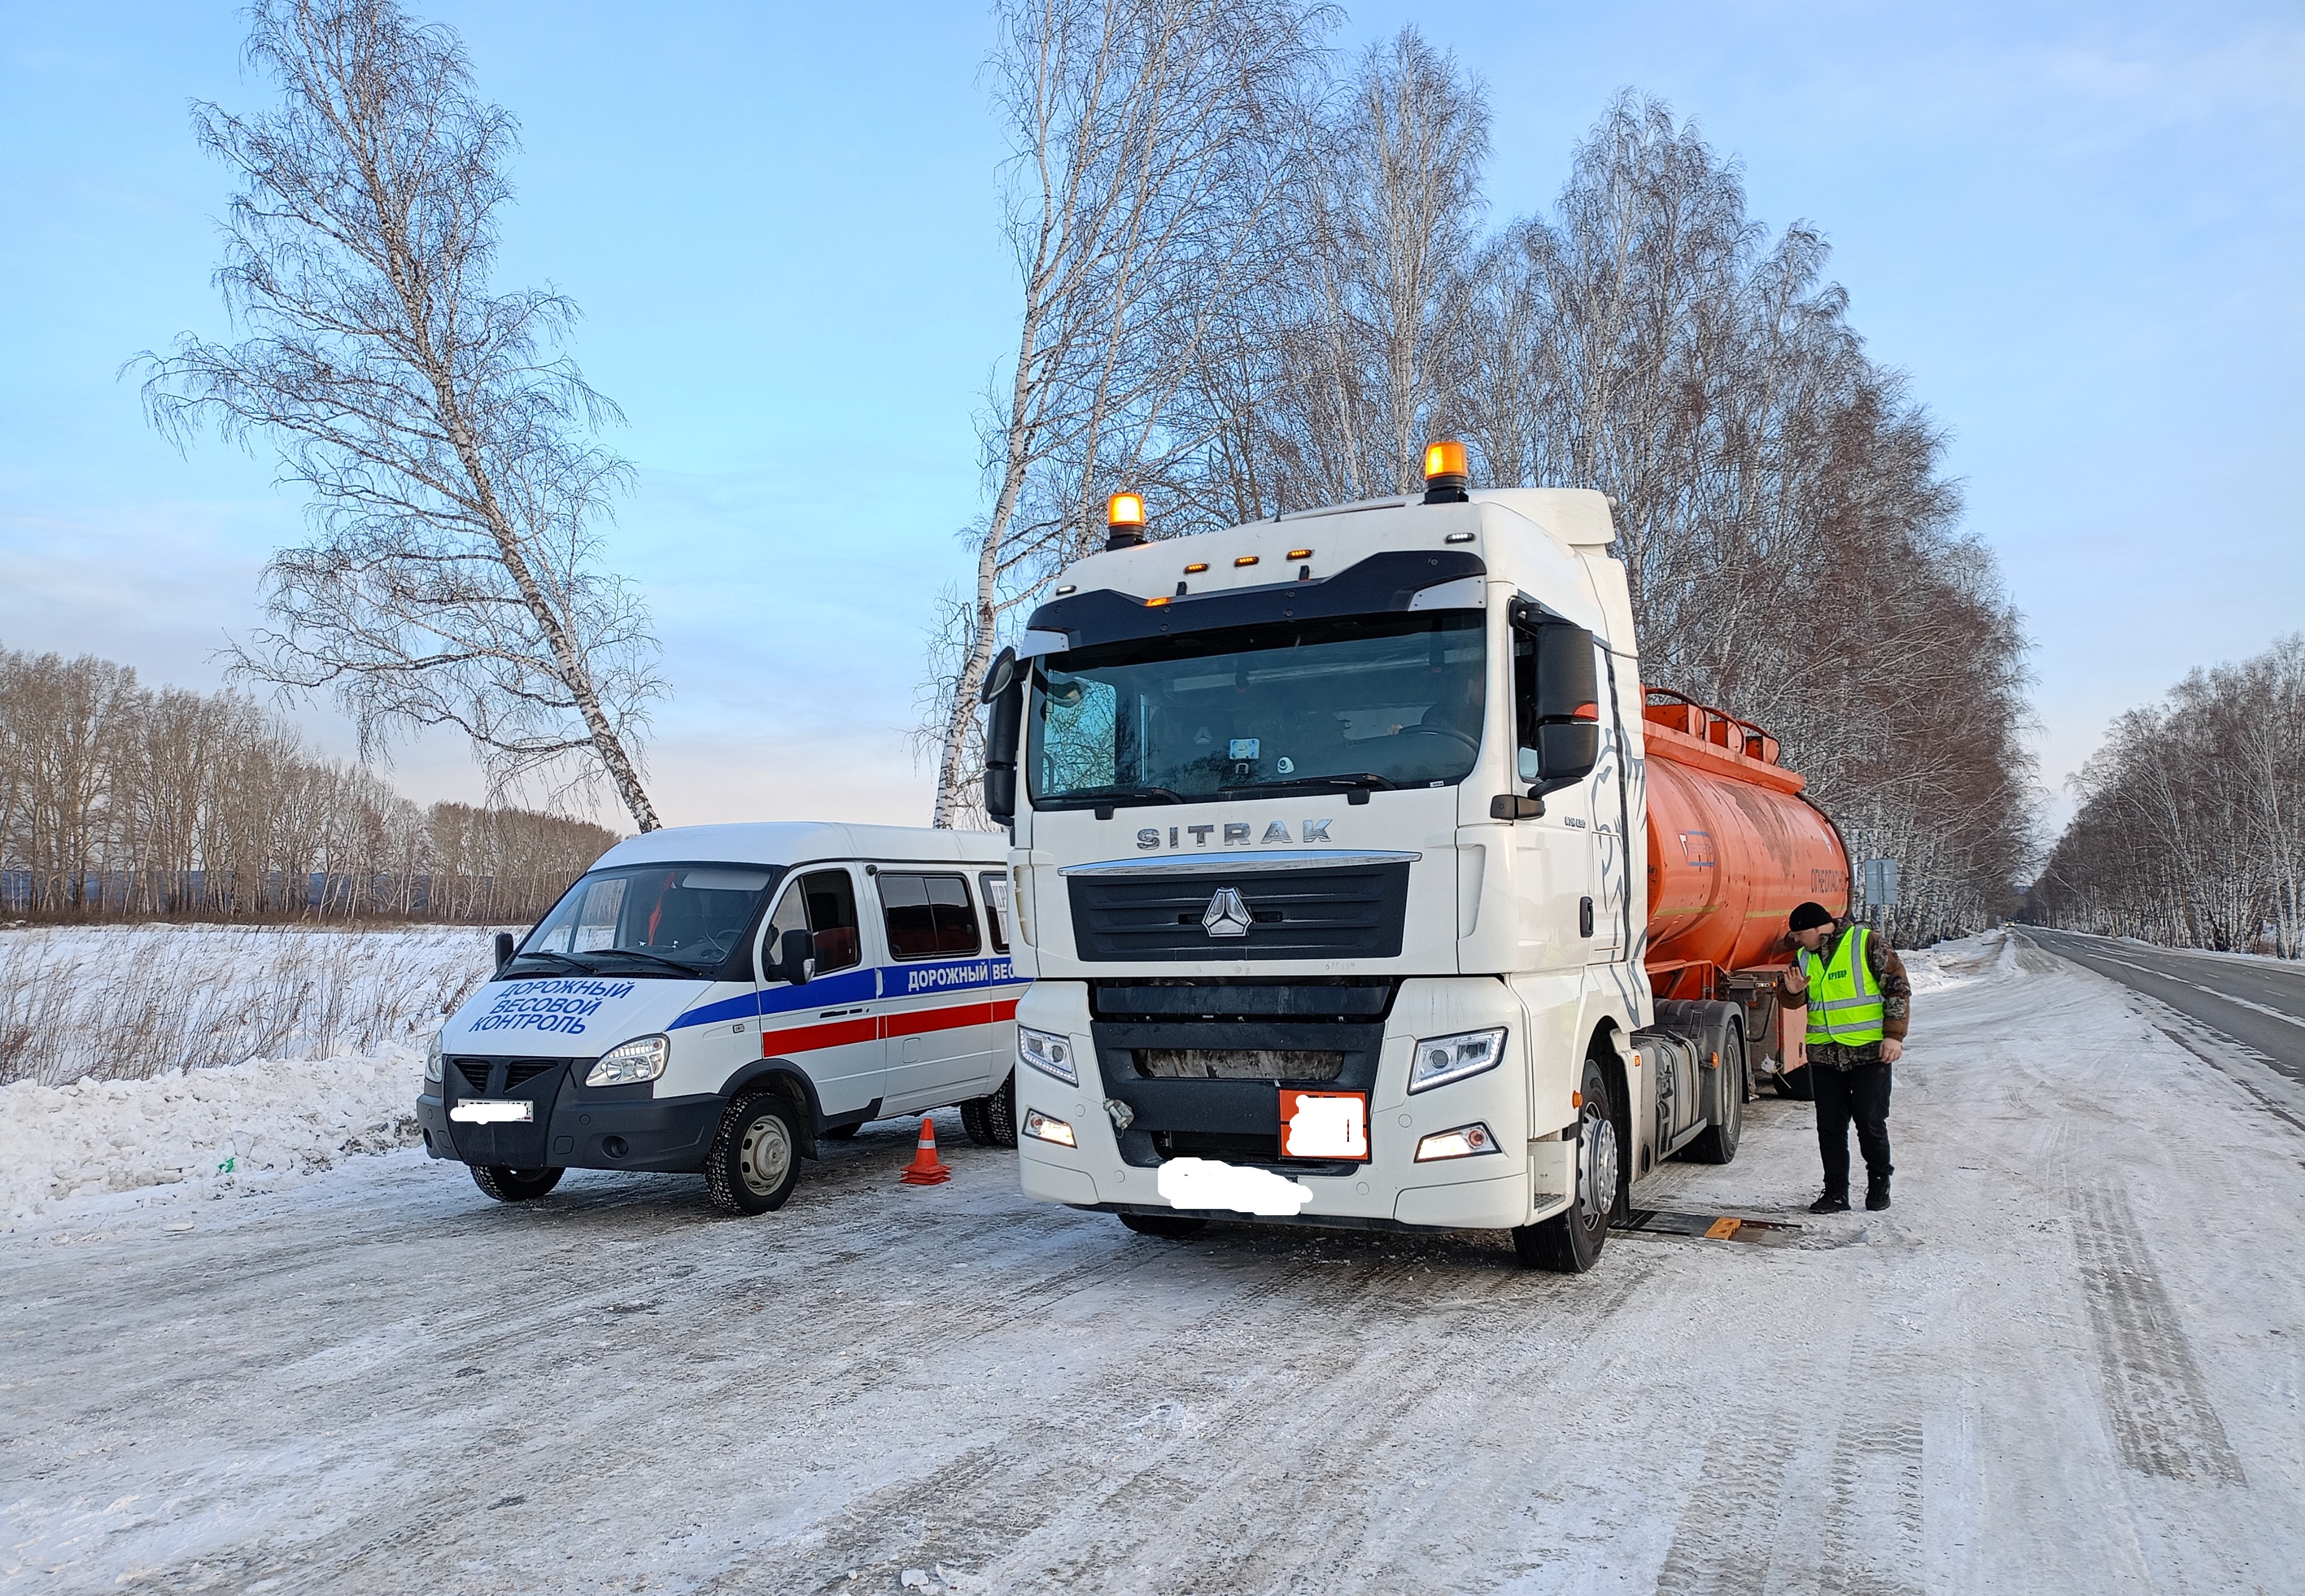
(822, 902)
(928, 916)
(996, 907)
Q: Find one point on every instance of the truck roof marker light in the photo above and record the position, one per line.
(1457, 538)
(1155, 603)
(1300, 553)
(1446, 476)
(1067, 590)
(1124, 521)
(1196, 567)
(1246, 559)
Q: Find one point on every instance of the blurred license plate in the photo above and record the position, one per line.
(490, 1111)
(1324, 1125)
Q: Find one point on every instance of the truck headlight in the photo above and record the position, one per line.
(1047, 1053)
(639, 1059)
(433, 1066)
(1440, 1059)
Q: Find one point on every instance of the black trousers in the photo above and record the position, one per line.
(1861, 1094)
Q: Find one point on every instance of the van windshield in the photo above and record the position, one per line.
(676, 921)
(1389, 701)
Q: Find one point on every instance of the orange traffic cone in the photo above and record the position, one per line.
(924, 1170)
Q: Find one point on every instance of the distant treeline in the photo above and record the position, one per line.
(2191, 829)
(119, 800)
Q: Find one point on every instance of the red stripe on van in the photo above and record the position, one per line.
(919, 1021)
(802, 1039)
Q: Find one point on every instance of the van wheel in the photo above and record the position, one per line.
(1717, 1143)
(756, 1157)
(991, 1121)
(1169, 1228)
(1571, 1244)
(515, 1186)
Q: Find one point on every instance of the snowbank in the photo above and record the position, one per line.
(213, 1130)
(212, 1057)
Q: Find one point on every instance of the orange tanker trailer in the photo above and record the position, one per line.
(1732, 846)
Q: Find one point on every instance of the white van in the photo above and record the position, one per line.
(715, 999)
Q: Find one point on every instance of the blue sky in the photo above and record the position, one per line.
(2077, 228)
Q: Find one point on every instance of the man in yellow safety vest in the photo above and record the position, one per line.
(1858, 1000)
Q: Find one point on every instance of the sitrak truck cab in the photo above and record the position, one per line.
(1364, 884)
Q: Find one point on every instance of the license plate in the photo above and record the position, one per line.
(1324, 1125)
(495, 1111)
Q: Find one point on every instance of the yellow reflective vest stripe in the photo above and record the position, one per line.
(1844, 1004)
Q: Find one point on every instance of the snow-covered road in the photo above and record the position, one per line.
(2069, 1359)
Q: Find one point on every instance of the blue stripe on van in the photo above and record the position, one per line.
(859, 986)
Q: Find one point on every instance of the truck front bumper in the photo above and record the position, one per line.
(1120, 1171)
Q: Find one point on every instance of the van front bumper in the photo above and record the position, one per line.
(658, 1135)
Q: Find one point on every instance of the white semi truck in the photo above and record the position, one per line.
(1336, 869)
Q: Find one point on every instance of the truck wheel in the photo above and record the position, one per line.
(1169, 1228)
(756, 1157)
(991, 1121)
(515, 1186)
(1571, 1244)
(1717, 1144)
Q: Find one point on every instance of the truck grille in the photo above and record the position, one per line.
(1236, 1064)
(1353, 911)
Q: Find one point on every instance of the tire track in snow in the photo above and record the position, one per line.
(1726, 1536)
(2155, 1398)
(1872, 1531)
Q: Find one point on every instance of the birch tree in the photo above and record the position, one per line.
(446, 439)
(1145, 179)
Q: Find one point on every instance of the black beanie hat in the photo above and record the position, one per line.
(1808, 915)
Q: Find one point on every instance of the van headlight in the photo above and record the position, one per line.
(639, 1059)
(433, 1066)
(1440, 1059)
(1047, 1053)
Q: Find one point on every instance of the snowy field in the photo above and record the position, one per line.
(2069, 1360)
(230, 1057)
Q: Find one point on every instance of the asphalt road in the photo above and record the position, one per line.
(2257, 1003)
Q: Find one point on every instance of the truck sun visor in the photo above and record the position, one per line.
(1391, 581)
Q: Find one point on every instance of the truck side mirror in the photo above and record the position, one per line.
(1567, 682)
(504, 950)
(1566, 749)
(796, 958)
(1005, 692)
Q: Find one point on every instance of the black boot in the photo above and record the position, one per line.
(1876, 1193)
(1832, 1202)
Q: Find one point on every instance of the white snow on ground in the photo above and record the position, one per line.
(209, 1130)
(2070, 1359)
(209, 1058)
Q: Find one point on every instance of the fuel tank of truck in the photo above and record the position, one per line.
(1732, 845)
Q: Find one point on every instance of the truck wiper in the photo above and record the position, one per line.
(1362, 778)
(1110, 794)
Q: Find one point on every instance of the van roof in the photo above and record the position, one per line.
(802, 841)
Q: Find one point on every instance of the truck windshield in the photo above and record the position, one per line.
(676, 921)
(1389, 701)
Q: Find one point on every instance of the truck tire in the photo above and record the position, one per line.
(991, 1121)
(1569, 1243)
(515, 1186)
(756, 1157)
(1169, 1228)
(1717, 1143)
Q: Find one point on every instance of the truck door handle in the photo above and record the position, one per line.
(1585, 917)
